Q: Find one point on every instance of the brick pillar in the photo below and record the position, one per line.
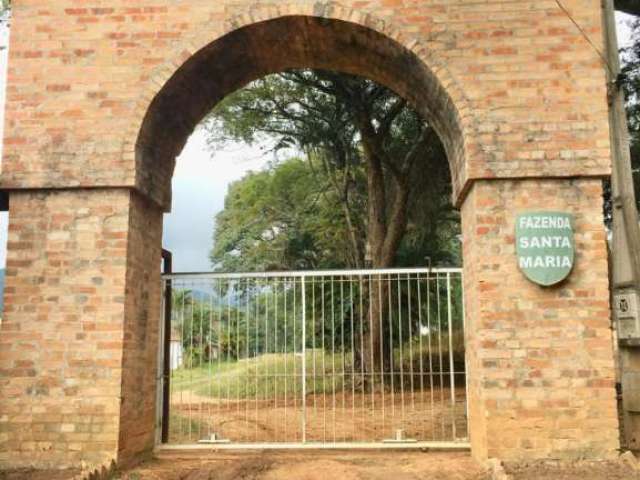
(142, 319)
(78, 337)
(541, 365)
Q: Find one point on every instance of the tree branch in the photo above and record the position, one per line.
(298, 78)
(396, 223)
(343, 195)
(427, 137)
(387, 121)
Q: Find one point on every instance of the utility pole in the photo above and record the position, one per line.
(625, 247)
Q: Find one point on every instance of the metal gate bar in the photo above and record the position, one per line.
(318, 358)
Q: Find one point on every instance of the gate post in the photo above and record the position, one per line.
(540, 360)
(167, 258)
(304, 359)
(78, 342)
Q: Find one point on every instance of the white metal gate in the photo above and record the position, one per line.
(335, 358)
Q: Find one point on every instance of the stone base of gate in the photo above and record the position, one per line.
(540, 360)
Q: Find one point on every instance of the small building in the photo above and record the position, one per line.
(176, 352)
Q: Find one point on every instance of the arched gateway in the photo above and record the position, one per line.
(102, 98)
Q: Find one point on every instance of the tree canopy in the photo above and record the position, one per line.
(631, 85)
(370, 170)
(288, 218)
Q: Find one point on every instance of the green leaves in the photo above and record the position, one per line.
(314, 210)
(5, 11)
(279, 219)
(631, 85)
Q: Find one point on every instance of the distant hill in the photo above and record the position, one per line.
(1, 288)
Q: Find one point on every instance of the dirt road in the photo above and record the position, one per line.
(323, 465)
(339, 465)
(312, 466)
(344, 417)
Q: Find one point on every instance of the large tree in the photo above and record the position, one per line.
(285, 217)
(376, 153)
(289, 217)
(631, 85)
(346, 126)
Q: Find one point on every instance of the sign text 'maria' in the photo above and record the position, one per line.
(548, 261)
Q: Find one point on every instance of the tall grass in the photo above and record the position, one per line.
(280, 374)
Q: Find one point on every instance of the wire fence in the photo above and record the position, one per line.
(317, 357)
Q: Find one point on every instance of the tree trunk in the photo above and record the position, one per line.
(353, 233)
(377, 352)
(387, 222)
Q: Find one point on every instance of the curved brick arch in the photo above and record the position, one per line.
(80, 330)
(453, 116)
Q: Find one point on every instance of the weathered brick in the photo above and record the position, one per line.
(89, 157)
(547, 382)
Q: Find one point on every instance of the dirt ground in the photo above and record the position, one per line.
(37, 475)
(337, 465)
(343, 417)
(312, 466)
(574, 471)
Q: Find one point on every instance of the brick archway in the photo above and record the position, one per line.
(202, 71)
(517, 93)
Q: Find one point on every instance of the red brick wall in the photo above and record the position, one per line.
(515, 89)
(61, 337)
(528, 87)
(540, 359)
(142, 319)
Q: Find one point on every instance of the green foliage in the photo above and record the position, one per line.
(279, 219)
(245, 322)
(207, 332)
(289, 218)
(5, 13)
(311, 211)
(297, 109)
(631, 74)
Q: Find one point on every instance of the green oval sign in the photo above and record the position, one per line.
(545, 246)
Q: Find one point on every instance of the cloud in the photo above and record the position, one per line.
(200, 184)
(623, 24)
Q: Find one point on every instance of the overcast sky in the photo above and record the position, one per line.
(199, 186)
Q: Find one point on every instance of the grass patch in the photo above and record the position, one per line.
(266, 374)
(276, 374)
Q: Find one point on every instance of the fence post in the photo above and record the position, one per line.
(451, 359)
(304, 360)
(167, 258)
